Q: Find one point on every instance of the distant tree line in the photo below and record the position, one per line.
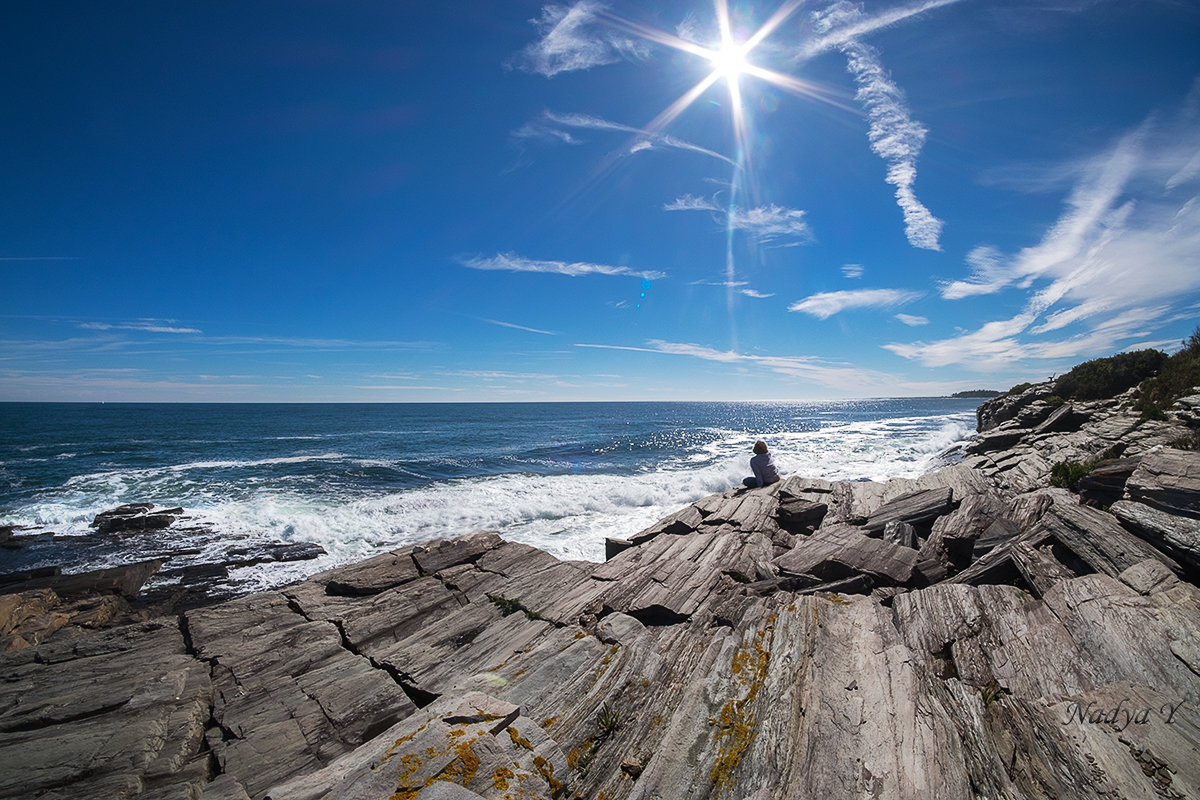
(973, 393)
(1161, 379)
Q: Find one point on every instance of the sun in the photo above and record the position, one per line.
(729, 60)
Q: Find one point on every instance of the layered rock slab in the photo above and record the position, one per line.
(1062, 662)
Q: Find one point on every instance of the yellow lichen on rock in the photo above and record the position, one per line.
(736, 722)
(501, 778)
(517, 739)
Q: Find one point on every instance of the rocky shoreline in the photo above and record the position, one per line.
(971, 633)
(188, 576)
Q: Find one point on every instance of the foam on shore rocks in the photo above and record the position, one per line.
(968, 633)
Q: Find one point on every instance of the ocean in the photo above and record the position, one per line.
(361, 479)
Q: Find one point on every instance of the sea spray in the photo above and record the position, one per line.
(360, 479)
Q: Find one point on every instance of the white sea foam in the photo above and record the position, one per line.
(568, 515)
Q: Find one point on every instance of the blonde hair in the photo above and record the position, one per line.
(760, 447)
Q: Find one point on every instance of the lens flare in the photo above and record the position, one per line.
(729, 60)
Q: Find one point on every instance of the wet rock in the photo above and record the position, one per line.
(135, 517)
(272, 552)
(126, 581)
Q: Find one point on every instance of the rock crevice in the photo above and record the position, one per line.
(970, 633)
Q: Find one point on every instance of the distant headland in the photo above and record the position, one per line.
(983, 394)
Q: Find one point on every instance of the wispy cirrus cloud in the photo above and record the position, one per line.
(741, 287)
(514, 326)
(770, 224)
(825, 304)
(691, 202)
(894, 135)
(841, 377)
(1121, 262)
(499, 375)
(540, 130)
(575, 37)
(148, 326)
(845, 27)
(511, 262)
(852, 271)
(545, 127)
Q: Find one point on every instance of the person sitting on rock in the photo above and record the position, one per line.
(764, 467)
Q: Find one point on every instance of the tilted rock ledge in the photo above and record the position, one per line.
(968, 634)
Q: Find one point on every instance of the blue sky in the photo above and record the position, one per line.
(489, 201)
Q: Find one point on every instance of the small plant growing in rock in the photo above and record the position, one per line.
(1189, 441)
(990, 692)
(508, 606)
(505, 605)
(1065, 474)
(608, 719)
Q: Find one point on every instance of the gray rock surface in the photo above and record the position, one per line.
(970, 633)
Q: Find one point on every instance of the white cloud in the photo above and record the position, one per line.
(844, 22)
(407, 388)
(842, 377)
(517, 327)
(1121, 262)
(987, 275)
(575, 37)
(769, 224)
(897, 139)
(689, 202)
(149, 326)
(536, 130)
(514, 263)
(852, 270)
(741, 287)
(825, 304)
(498, 375)
(727, 284)
(648, 141)
(894, 135)
(912, 320)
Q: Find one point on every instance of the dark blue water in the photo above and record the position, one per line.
(356, 478)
